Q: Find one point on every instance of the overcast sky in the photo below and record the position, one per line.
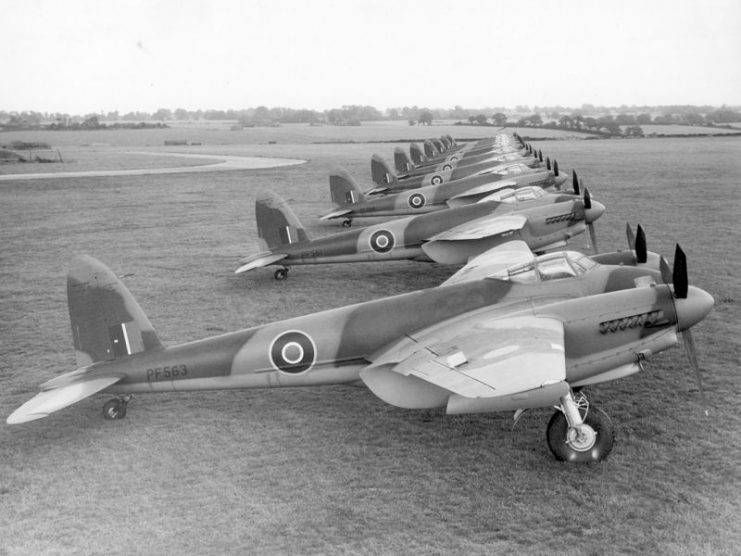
(82, 56)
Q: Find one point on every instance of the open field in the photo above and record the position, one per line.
(334, 470)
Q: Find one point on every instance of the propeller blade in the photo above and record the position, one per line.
(593, 237)
(587, 199)
(555, 167)
(548, 162)
(631, 237)
(640, 246)
(540, 155)
(689, 348)
(666, 273)
(679, 274)
(575, 182)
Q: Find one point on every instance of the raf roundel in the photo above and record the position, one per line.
(416, 201)
(382, 241)
(293, 352)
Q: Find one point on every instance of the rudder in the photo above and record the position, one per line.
(277, 225)
(107, 322)
(381, 172)
(344, 189)
(402, 162)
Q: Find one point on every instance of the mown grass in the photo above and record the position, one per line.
(334, 470)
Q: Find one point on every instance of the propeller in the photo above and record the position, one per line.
(555, 167)
(631, 237)
(575, 182)
(540, 155)
(696, 310)
(590, 218)
(638, 243)
(548, 162)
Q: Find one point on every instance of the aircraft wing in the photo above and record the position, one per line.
(473, 360)
(260, 260)
(475, 193)
(336, 214)
(492, 261)
(54, 399)
(485, 226)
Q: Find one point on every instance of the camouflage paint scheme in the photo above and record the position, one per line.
(448, 236)
(352, 203)
(518, 339)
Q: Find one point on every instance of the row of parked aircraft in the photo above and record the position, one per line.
(514, 328)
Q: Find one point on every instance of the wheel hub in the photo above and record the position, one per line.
(581, 438)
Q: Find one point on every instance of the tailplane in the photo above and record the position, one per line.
(277, 225)
(417, 154)
(402, 162)
(430, 149)
(381, 172)
(107, 322)
(344, 190)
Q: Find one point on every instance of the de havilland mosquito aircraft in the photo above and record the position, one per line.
(450, 236)
(387, 180)
(522, 338)
(352, 203)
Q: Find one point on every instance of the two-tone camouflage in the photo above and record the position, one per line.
(522, 337)
(450, 236)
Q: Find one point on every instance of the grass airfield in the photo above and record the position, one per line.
(334, 470)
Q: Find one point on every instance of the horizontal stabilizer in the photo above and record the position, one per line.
(258, 261)
(492, 261)
(49, 401)
(336, 214)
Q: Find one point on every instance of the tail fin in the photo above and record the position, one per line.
(107, 322)
(381, 172)
(402, 162)
(430, 149)
(277, 225)
(418, 155)
(344, 189)
(438, 145)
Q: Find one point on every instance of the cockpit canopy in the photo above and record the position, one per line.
(529, 193)
(551, 266)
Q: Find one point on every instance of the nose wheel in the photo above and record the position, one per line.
(579, 433)
(116, 408)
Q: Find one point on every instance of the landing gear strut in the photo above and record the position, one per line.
(580, 433)
(116, 408)
(281, 274)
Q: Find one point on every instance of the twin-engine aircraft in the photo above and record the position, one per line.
(450, 236)
(351, 202)
(526, 336)
(386, 179)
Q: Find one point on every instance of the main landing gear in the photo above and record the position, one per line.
(347, 222)
(579, 433)
(116, 408)
(281, 274)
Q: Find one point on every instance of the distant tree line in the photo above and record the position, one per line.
(600, 119)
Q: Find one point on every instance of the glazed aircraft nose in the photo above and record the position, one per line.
(594, 212)
(693, 308)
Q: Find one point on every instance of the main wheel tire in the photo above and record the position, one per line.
(281, 274)
(114, 409)
(346, 223)
(563, 450)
